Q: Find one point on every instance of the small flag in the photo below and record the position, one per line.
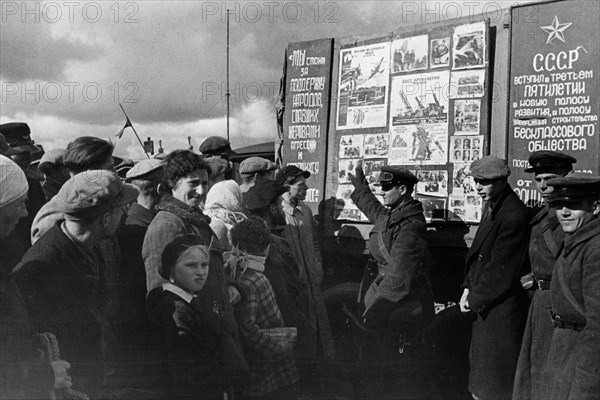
(120, 133)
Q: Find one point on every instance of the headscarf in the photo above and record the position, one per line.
(13, 182)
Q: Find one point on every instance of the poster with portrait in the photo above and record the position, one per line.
(432, 183)
(462, 182)
(473, 208)
(466, 148)
(469, 46)
(435, 209)
(467, 84)
(466, 117)
(344, 167)
(372, 169)
(439, 52)
(419, 98)
(363, 85)
(352, 146)
(422, 144)
(377, 145)
(409, 53)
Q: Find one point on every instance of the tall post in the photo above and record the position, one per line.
(227, 84)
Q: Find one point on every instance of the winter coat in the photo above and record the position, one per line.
(176, 218)
(538, 330)
(192, 343)
(403, 232)
(65, 293)
(572, 369)
(299, 232)
(494, 264)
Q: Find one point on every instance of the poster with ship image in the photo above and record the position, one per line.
(363, 86)
(467, 84)
(419, 98)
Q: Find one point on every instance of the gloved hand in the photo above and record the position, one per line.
(358, 179)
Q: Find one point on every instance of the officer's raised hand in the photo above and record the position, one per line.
(359, 179)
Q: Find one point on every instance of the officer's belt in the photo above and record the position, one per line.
(543, 284)
(560, 323)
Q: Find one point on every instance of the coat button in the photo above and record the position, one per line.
(480, 257)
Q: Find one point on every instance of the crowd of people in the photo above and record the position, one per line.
(169, 279)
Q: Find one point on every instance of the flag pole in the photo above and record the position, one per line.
(134, 131)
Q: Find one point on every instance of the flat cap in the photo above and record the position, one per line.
(256, 164)
(262, 194)
(575, 186)
(18, 137)
(147, 170)
(290, 171)
(391, 175)
(51, 159)
(216, 146)
(490, 168)
(541, 161)
(91, 193)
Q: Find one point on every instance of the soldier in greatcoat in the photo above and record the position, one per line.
(492, 290)
(572, 370)
(544, 244)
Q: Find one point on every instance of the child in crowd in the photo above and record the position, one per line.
(201, 358)
(271, 358)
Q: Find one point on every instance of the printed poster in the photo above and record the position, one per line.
(466, 117)
(419, 98)
(352, 146)
(465, 208)
(467, 84)
(345, 167)
(363, 85)
(372, 169)
(435, 209)
(466, 148)
(423, 144)
(409, 54)
(440, 52)
(350, 211)
(462, 182)
(432, 183)
(377, 145)
(469, 46)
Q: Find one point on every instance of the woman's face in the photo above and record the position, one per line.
(192, 188)
(191, 269)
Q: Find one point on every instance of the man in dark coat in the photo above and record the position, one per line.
(397, 244)
(60, 277)
(545, 242)
(492, 291)
(572, 370)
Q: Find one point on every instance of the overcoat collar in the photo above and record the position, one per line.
(409, 209)
(486, 226)
(583, 234)
(189, 214)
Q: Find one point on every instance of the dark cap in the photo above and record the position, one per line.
(147, 170)
(262, 194)
(490, 168)
(175, 248)
(393, 176)
(51, 159)
(18, 137)
(290, 171)
(575, 186)
(544, 161)
(252, 165)
(91, 193)
(216, 146)
(5, 149)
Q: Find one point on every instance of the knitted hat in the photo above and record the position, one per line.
(13, 183)
(176, 248)
(251, 236)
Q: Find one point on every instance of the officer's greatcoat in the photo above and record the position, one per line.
(493, 268)
(573, 367)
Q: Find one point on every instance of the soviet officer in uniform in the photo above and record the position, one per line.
(572, 370)
(545, 241)
(492, 291)
(397, 244)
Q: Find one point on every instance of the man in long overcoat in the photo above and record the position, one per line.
(544, 245)
(572, 370)
(491, 288)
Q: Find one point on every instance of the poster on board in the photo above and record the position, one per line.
(363, 86)
(352, 146)
(469, 46)
(466, 117)
(432, 183)
(467, 84)
(440, 52)
(410, 53)
(465, 149)
(419, 98)
(554, 88)
(421, 144)
(377, 145)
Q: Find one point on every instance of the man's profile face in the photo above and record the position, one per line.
(541, 182)
(298, 188)
(489, 189)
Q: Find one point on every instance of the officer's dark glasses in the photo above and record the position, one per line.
(386, 177)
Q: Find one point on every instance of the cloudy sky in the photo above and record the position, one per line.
(65, 66)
